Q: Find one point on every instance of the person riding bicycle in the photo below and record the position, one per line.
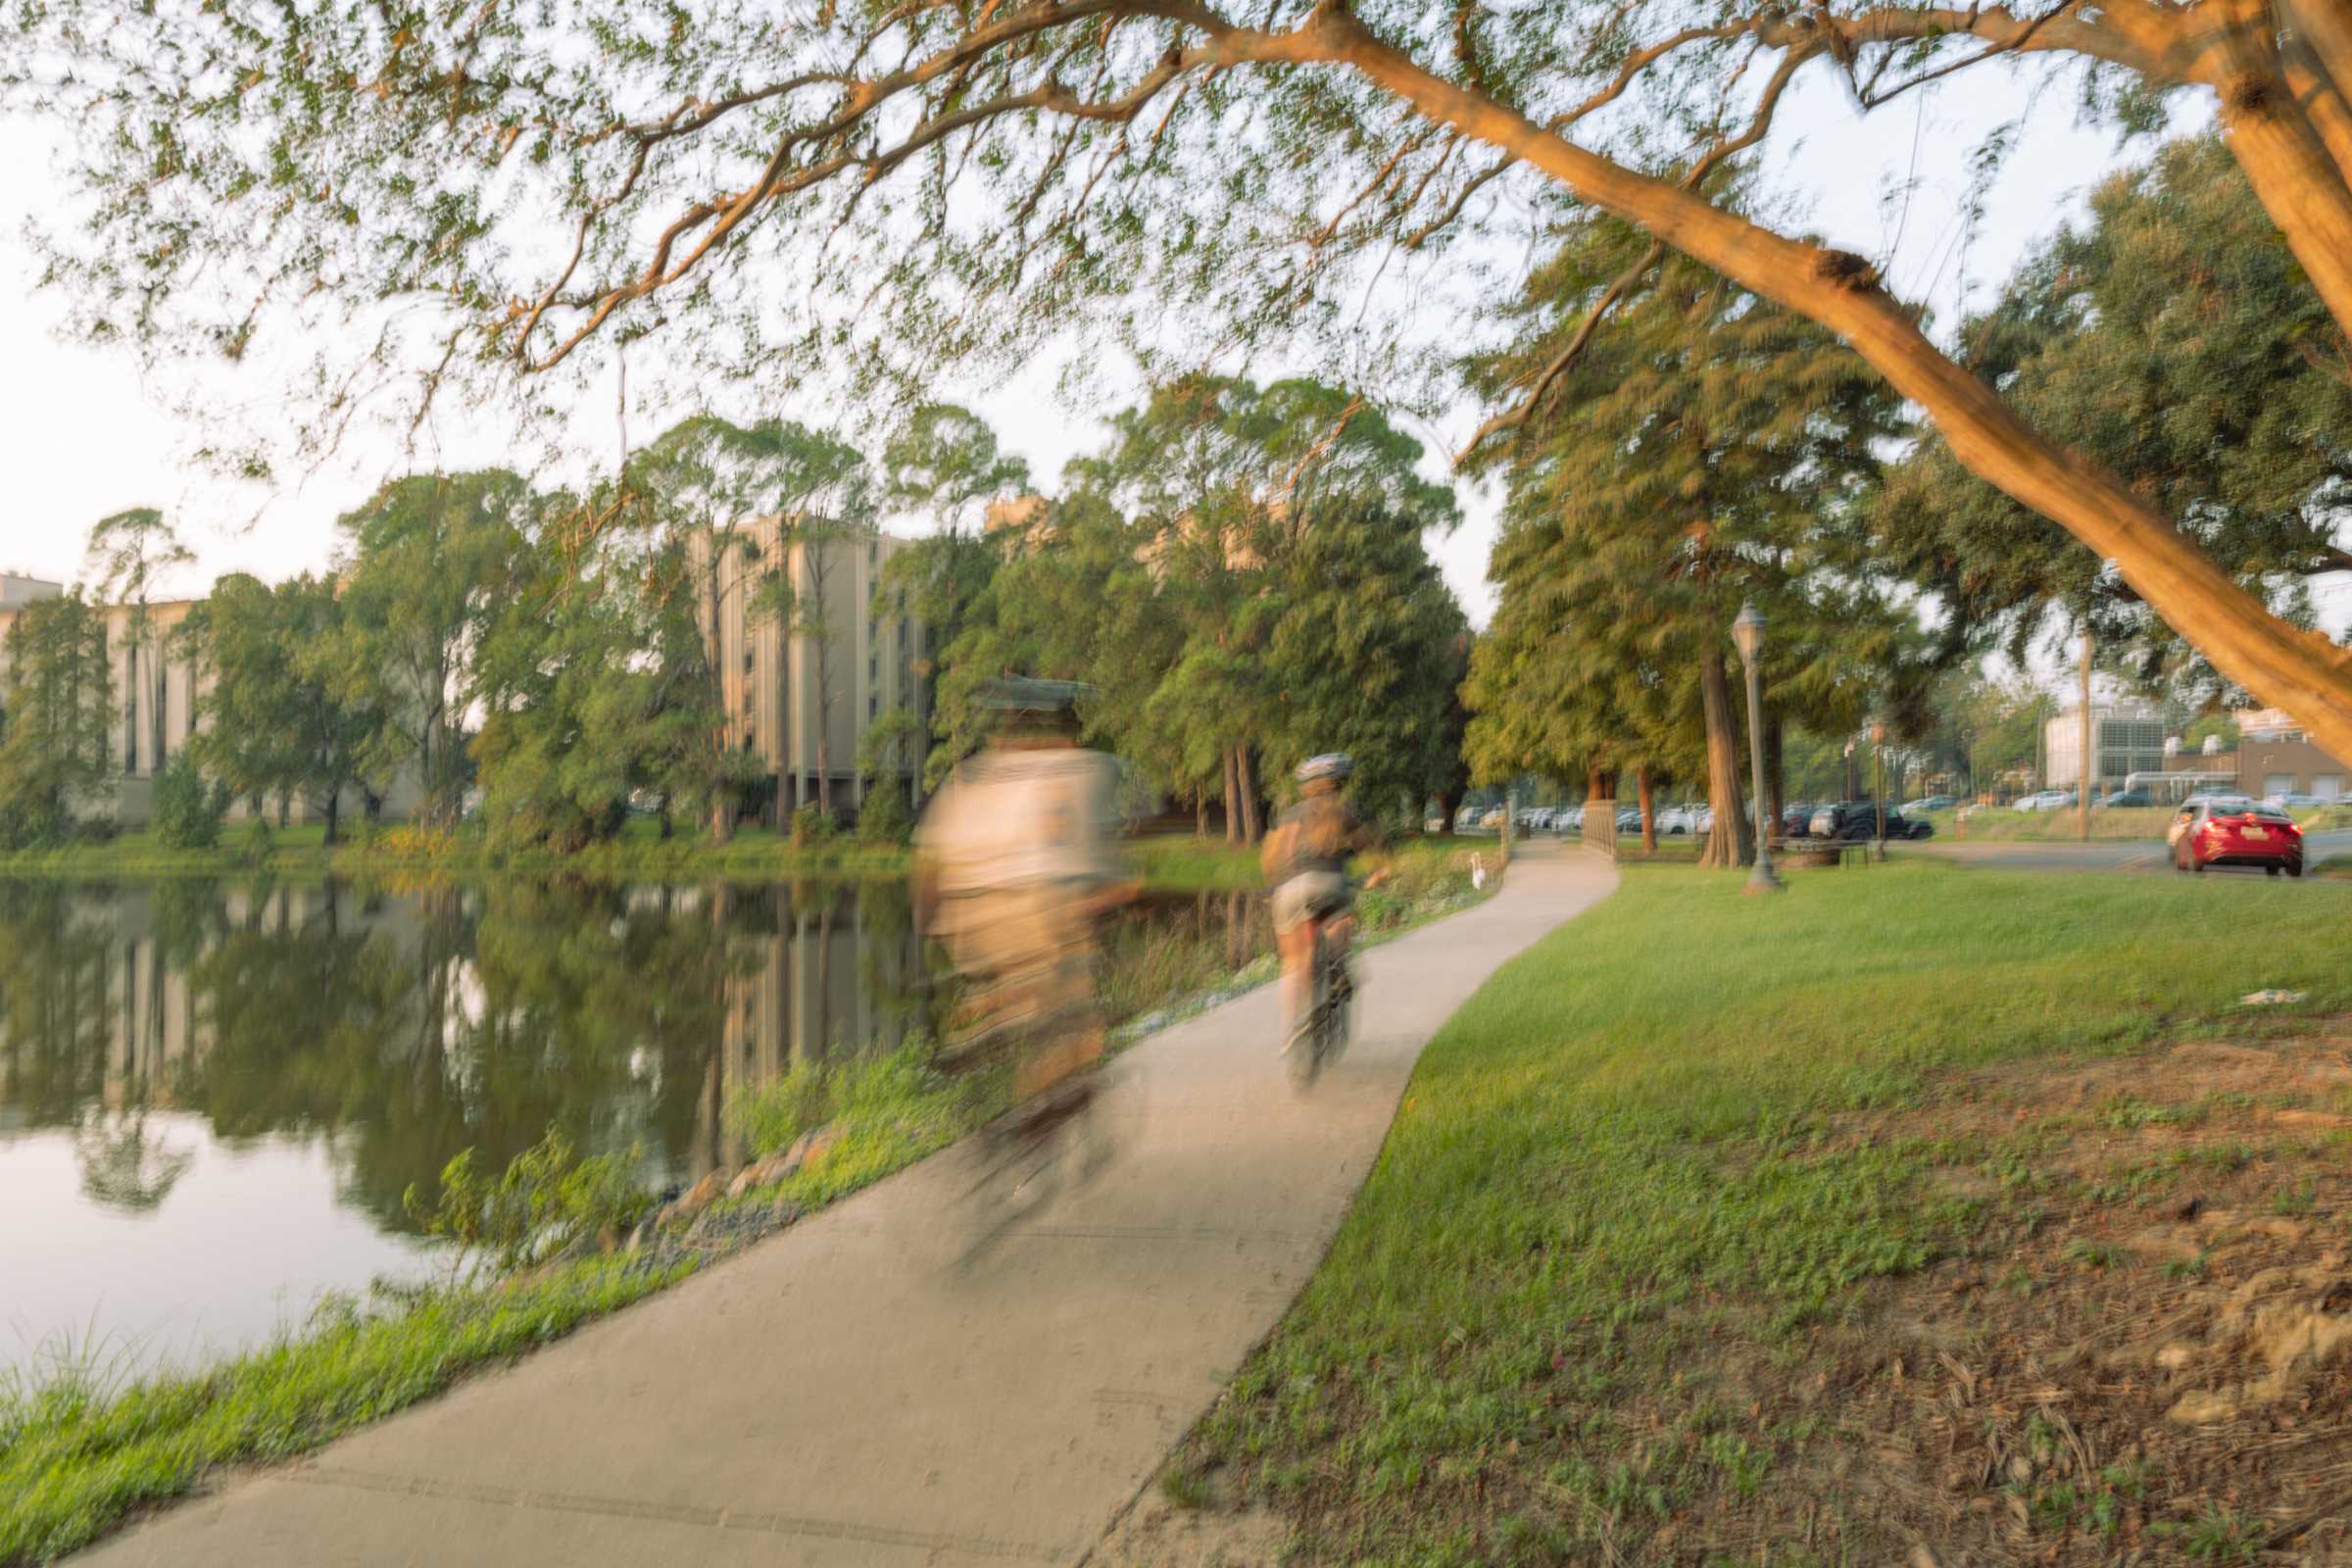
(1305, 864)
(1013, 866)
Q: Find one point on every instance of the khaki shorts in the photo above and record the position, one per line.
(1308, 895)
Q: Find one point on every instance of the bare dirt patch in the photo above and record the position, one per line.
(2146, 1356)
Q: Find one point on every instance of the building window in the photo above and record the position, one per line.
(873, 670)
(2278, 783)
(2327, 786)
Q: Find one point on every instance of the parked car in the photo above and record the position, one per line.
(1682, 818)
(2045, 801)
(1796, 818)
(2239, 833)
(2137, 797)
(1492, 822)
(1929, 802)
(1629, 820)
(1855, 820)
(2295, 801)
(1570, 820)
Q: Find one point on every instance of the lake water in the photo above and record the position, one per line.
(213, 1094)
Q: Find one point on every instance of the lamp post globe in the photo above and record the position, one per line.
(1747, 634)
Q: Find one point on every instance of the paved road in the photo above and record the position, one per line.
(844, 1394)
(2128, 855)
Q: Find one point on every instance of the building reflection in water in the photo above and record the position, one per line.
(214, 1095)
(404, 1026)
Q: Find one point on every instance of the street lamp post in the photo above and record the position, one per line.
(1877, 753)
(1748, 631)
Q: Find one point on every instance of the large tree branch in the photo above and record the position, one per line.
(2299, 670)
(1767, 105)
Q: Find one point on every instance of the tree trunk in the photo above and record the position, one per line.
(2299, 671)
(1728, 845)
(334, 815)
(714, 691)
(1233, 798)
(1200, 814)
(824, 728)
(1449, 807)
(1252, 824)
(1647, 788)
(1776, 779)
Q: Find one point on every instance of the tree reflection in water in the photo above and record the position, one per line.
(400, 1026)
(121, 1166)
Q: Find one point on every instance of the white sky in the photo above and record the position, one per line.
(86, 437)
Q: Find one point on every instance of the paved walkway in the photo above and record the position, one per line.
(844, 1394)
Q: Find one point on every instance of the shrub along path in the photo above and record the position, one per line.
(849, 1392)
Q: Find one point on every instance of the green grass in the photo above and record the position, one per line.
(1616, 1162)
(76, 1456)
(638, 851)
(1174, 862)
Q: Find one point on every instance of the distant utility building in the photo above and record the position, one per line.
(2125, 738)
(782, 689)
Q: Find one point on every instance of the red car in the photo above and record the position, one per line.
(2239, 833)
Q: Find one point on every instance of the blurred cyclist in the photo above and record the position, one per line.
(1305, 865)
(1013, 864)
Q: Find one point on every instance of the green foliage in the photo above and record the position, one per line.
(813, 827)
(426, 564)
(2176, 340)
(57, 716)
(1705, 450)
(545, 1201)
(884, 816)
(187, 810)
(1239, 572)
(282, 716)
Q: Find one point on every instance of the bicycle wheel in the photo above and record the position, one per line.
(1306, 1052)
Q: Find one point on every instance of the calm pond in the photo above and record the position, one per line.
(213, 1094)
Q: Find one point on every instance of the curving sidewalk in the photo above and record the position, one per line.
(844, 1392)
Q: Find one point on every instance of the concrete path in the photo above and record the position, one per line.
(844, 1392)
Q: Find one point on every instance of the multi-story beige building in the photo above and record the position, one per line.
(158, 688)
(804, 674)
(155, 688)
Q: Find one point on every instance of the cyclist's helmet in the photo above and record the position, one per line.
(1333, 766)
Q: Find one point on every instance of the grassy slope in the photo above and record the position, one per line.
(1616, 1157)
(1177, 861)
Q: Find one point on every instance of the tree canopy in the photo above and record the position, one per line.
(1711, 449)
(56, 711)
(496, 193)
(1241, 575)
(2175, 339)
